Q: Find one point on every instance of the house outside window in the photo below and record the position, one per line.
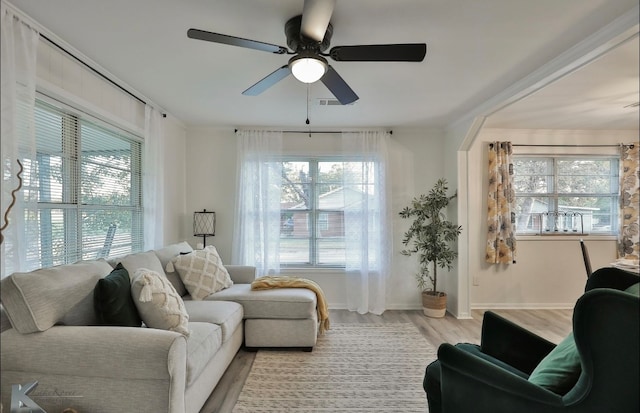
(89, 185)
(566, 194)
(314, 195)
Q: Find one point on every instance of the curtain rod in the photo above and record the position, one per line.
(77, 59)
(313, 132)
(574, 146)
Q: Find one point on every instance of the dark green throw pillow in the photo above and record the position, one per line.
(112, 300)
(560, 369)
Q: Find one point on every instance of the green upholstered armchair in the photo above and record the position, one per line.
(494, 376)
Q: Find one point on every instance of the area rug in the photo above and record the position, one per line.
(353, 368)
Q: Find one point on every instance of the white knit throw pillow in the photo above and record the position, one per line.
(158, 303)
(202, 272)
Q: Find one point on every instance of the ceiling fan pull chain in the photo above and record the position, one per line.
(307, 121)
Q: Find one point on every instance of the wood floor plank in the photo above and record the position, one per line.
(553, 325)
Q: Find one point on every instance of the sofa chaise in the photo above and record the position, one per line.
(50, 334)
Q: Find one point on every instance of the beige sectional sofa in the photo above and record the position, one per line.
(50, 335)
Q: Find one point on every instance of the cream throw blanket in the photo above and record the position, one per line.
(282, 281)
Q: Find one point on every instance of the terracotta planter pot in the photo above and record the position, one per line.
(434, 304)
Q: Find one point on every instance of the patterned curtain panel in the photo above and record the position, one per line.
(501, 240)
(629, 247)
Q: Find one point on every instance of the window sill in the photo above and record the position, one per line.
(311, 270)
(564, 237)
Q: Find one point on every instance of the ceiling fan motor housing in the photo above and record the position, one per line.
(299, 43)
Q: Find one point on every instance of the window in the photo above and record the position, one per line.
(315, 194)
(89, 189)
(566, 194)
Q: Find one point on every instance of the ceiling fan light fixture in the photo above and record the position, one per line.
(308, 67)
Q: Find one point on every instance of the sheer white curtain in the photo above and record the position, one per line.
(153, 179)
(368, 222)
(17, 90)
(257, 221)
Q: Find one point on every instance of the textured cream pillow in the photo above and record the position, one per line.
(158, 303)
(202, 272)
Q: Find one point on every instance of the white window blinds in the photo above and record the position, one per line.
(89, 189)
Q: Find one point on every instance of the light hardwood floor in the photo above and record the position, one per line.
(553, 325)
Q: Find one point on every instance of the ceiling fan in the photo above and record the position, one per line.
(308, 36)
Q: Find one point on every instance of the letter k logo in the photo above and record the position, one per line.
(20, 402)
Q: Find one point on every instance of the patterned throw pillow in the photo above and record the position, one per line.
(158, 303)
(202, 272)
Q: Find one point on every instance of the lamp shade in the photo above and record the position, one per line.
(204, 223)
(308, 67)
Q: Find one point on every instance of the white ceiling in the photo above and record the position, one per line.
(596, 96)
(475, 49)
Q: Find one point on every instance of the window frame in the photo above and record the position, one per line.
(314, 213)
(554, 195)
(71, 204)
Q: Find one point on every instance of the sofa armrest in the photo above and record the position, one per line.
(107, 352)
(241, 274)
(506, 340)
(486, 384)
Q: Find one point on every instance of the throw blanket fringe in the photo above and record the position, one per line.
(282, 281)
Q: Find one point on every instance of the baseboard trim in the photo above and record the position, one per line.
(522, 306)
(342, 306)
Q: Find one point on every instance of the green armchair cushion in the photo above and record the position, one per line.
(634, 289)
(560, 369)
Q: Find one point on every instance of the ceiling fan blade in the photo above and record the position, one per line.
(408, 52)
(268, 81)
(338, 87)
(235, 41)
(316, 15)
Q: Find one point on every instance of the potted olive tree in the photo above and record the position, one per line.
(430, 237)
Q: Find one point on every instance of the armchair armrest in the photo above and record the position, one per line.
(241, 274)
(512, 344)
(108, 352)
(470, 384)
(611, 277)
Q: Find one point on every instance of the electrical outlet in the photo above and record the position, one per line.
(476, 280)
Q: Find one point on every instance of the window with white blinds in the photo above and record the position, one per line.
(89, 185)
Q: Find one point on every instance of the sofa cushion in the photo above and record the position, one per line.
(148, 260)
(37, 300)
(291, 303)
(113, 302)
(202, 272)
(202, 344)
(166, 255)
(82, 314)
(560, 369)
(228, 315)
(158, 303)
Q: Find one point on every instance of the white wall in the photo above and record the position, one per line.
(175, 180)
(417, 159)
(549, 272)
(65, 79)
